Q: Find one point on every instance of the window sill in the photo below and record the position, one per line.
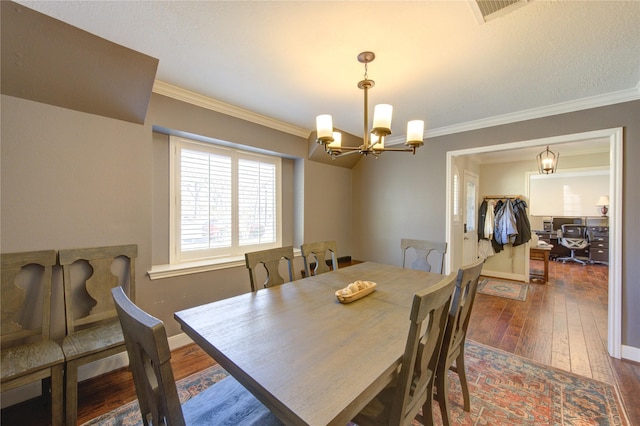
(175, 270)
(167, 271)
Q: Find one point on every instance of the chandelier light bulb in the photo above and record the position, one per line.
(337, 142)
(382, 119)
(415, 132)
(324, 126)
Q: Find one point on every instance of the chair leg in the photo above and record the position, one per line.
(573, 258)
(71, 393)
(462, 375)
(45, 391)
(427, 409)
(57, 399)
(442, 394)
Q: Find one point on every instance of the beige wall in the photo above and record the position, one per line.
(70, 180)
(408, 194)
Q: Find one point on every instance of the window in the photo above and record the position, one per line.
(226, 201)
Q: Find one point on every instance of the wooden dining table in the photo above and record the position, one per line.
(309, 358)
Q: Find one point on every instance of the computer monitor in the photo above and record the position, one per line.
(559, 221)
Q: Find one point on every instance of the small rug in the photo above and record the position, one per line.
(507, 289)
(505, 390)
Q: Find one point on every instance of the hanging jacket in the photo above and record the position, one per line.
(482, 214)
(522, 222)
(495, 244)
(490, 221)
(506, 228)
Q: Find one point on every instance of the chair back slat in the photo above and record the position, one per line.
(89, 274)
(26, 295)
(271, 260)
(428, 255)
(319, 251)
(574, 236)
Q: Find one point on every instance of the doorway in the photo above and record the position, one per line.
(614, 138)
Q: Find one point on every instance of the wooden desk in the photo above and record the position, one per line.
(537, 253)
(310, 359)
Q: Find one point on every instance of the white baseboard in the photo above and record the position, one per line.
(85, 372)
(630, 353)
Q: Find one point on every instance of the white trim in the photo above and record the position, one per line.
(530, 114)
(614, 340)
(630, 353)
(175, 270)
(614, 311)
(184, 95)
(171, 91)
(167, 271)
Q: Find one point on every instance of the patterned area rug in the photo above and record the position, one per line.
(507, 289)
(505, 390)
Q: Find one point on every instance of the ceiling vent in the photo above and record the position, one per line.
(485, 10)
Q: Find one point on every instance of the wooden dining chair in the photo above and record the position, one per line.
(315, 257)
(226, 402)
(455, 336)
(28, 354)
(270, 259)
(427, 255)
(93, 329)
(412, 390)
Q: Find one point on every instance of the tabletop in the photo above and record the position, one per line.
(309, 358)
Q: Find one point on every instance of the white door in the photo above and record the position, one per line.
(470, 218)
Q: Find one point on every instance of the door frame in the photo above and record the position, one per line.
(469, 175)
(615, 137)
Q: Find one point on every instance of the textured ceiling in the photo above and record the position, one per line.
(291, 61)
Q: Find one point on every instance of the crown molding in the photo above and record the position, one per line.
(184, 95)
(530, 114)
(175, 92)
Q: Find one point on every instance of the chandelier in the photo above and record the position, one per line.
(547, 162)
(373, 140)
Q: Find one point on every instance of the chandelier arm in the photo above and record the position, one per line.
(413, 150)
(351, 148)
(343, 154)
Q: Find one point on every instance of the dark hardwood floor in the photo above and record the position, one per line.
(561, 324)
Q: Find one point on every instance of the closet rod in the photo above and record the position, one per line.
(497, 197)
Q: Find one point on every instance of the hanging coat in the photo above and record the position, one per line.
(482, 215)
(506, 228)
(495, 244)
(522, 222)
(490, 221)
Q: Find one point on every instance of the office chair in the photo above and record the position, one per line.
(574, 237)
